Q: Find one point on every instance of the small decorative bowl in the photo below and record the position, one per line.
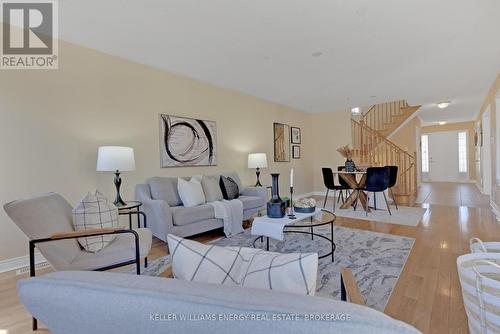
(304, 205)
(304, 210)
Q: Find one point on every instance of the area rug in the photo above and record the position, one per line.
(406, 215)
(376, 259)
(155, 267)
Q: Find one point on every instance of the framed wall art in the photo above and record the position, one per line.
(295, 136)
(295, 152)
(281, 142)
(187, 142)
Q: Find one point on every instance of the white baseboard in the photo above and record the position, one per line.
(20, 262)
(495, 209)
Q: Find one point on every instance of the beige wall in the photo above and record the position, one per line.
(406, 137)
(461, 126)
(490, 100)
(331, 130)
(53, 122)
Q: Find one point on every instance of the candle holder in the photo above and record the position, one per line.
(292, 213)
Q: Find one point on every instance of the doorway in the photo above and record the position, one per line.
(444, 156)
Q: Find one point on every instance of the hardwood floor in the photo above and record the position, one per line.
(427, 294)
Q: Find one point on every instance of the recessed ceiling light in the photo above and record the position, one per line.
(444, 104)
(373, 96)
(317, 54)
(442, 123)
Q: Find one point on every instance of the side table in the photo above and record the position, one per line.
(134, 208)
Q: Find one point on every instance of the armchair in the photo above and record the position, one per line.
(47, 222)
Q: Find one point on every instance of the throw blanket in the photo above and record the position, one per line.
(232, 214)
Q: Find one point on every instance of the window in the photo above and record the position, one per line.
(356, 111)
(425, 153)
(462, 152)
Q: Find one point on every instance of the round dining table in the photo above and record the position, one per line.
(356, 180)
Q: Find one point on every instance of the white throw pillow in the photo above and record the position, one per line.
(95, 211)
(190, 192)
(242, 266)
(293, 272)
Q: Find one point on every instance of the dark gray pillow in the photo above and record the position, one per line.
(229, 188)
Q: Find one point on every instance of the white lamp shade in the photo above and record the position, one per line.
(257, 160)
(113, 158)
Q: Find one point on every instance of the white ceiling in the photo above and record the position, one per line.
(424, 51)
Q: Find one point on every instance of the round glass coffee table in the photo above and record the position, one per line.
(308, 226)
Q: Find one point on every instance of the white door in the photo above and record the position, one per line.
(486, 153)
(443, 157)
(418, 140)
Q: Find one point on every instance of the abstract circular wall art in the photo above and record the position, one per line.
(187, 142)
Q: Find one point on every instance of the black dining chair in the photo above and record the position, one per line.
(377, 180)
(329, 182)
(343, 182)
(393, 178)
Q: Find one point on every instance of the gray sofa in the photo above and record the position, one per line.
(91, 302)
(166, 214)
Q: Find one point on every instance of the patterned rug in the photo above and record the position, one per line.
(405, 215)
(376, 259)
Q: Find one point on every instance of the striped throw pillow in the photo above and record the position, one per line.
(243, 266)
(95, 211)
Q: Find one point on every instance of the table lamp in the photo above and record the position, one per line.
(258, 161)
(116, 159)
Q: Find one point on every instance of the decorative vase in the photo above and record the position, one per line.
(276, 208)
(350, 166)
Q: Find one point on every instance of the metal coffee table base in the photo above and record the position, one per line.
(311, 233)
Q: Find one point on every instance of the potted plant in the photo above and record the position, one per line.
(346, 152)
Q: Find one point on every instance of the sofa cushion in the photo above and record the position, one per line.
(184, 216)
(211, 188)
(292, 272)
(190, 192)
(243, 266)
(165, 189)
(252, 202)
(236, 179)
(229, 188)
(122, 249)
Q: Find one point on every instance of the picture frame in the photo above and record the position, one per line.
(295, 152)
(281, 134)
(187, 142)
(295, 135)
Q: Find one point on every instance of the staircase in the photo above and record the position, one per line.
(371, 145)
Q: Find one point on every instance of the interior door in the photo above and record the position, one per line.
(443, 157)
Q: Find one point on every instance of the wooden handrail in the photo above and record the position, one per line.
(85, 233)
(382, 138)
(381, 117)
(370, 146)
